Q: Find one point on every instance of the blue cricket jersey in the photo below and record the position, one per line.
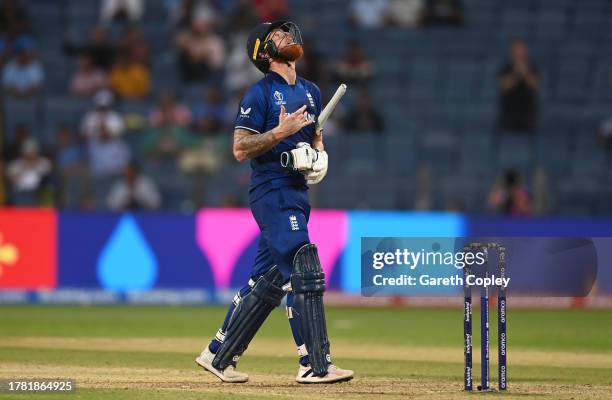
(259, 112)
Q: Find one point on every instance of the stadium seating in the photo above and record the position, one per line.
(436, 88)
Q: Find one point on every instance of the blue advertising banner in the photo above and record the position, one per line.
(130, 252)
(212, 251)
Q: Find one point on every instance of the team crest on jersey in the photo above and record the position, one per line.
(245, 113)
(310, 99)
(278, 96)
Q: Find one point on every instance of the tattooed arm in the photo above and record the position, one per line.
(248, 145)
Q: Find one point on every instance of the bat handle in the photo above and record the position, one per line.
(318, 129)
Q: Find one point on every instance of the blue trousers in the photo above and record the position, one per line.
(282, 216)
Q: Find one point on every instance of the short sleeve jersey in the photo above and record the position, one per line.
(259, 113)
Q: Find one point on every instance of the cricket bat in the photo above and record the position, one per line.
(331, 105)
(286, 158)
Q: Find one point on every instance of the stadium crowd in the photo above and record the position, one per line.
(149, 140)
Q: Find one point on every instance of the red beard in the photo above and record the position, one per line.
(292, 52)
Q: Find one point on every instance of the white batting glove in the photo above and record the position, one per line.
(319, 169)
(304, 157)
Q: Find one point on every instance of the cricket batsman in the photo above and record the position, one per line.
(278, 115)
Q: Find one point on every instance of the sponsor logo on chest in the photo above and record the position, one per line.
(279, 98)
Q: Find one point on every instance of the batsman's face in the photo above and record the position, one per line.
(281, 38)
(286, 45)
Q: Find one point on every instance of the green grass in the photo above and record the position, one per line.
(578, 331)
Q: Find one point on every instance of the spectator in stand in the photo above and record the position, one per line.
(102, 117)
(510, 197)
(353, 67)
(134, 191)
(210, 116)
(108, 155)
(182, 12)
(121, 10)
(129, 78)
(164, 145)
(13, 149)
(14, 28)
(363, 117)
(405, 13)
(13, 17)
(68, 153)
(133, 42)
(23, 75)
(518, 84)
(311, 65)
(28, 175)
(368, 13)
(103, 128)
(169, 111)
(88, 78)
(240, 73)
(271, 10)
(443, 12)
(202, 51)
(98, 48)
(242, 16)
(70, 161)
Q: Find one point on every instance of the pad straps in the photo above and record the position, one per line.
(248, 317)
(308, 285)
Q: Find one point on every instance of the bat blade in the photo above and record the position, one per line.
(331, 105)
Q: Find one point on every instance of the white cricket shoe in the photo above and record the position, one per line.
(334, 374)
(229, 374)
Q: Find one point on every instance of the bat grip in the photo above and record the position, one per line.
(318, 129)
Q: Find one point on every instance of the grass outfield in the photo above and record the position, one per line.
(147, 353)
